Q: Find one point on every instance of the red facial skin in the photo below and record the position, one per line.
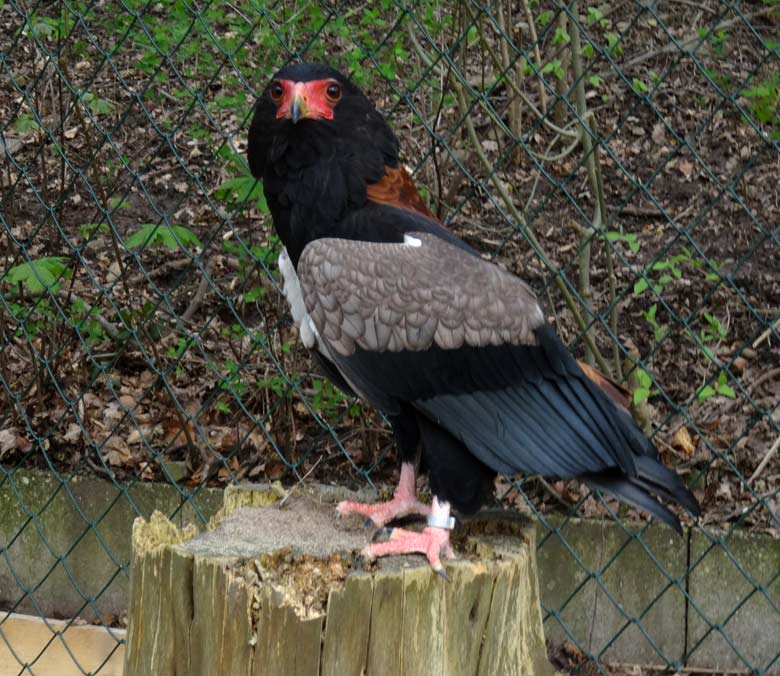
(312, 97)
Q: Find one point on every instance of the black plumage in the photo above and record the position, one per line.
(503, 399)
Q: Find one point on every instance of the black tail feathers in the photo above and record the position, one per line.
(653, 479)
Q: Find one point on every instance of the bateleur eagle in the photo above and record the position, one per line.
(398, 310)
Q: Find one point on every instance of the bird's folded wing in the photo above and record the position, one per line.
(466, 343)
(411, 296)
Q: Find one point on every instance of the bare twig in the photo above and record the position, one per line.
(561, 83)
(513, 85)
(200, 294)
(537, 53)
(112, 330)
(766, 334)
(590, 161)
(687, 42)
(555, 494)
(160, 270)
(300, 482)
(515, 110)
(769, 455)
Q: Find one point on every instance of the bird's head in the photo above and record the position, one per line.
(309, 92)
(308, 112)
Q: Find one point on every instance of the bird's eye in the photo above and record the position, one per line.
(276, 91)
(333, 92)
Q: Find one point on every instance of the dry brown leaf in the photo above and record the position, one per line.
(116, 458)
(7, 440)
(685, 167)
(73, 434)
(275, 470)
(223, 473)
(682, 442)
(116, 452)
(147, 473)
(174, 434)
(658, 133)
(127, 401)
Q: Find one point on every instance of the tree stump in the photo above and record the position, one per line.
(276, 589)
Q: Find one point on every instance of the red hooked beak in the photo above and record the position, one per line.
(304, 100)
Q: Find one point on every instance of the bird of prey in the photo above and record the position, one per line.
(398, 310)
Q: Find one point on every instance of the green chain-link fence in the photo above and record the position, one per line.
(623, 157)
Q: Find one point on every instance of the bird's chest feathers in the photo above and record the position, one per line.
(294, 295)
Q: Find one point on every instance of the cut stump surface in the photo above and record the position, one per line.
(279, 590)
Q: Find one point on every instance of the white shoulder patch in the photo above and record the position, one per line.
(292, 288)
(412, 241)
(294, 295)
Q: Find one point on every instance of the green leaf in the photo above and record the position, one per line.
(118, 203)
(254, 294)
(612, 42)
(707, 351)
(25, 124)
(39, 274)
(561, 37)
(705, 392)
(640, 394)
(644, 379)
(630, 239)
(97, 105)
(544, 18)
(555, 68)
(639, 86)
(594, 15)
(241, 189)
(88, 229)
(640, 286)
(153, 234)
(723, 388)
(727, 391)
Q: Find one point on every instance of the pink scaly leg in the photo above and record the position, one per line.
(433, 542)
(404, 502)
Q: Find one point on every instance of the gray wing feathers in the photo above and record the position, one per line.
(395, 297)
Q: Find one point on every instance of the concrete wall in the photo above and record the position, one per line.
(55, 562)
(650, 573)
(74, 573)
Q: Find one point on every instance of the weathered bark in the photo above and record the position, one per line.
(269, 590)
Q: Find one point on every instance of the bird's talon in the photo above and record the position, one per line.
(382, 535)
(442, 573)
(361, 562)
